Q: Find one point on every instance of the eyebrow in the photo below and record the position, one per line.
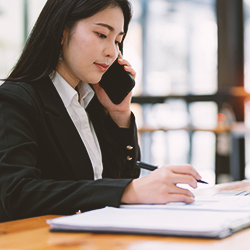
(109, 27)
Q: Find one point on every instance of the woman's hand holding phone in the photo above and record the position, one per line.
(127, 65)
(120, 113)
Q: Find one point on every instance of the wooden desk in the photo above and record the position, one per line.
(34, 234)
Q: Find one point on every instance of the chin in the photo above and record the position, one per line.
(95, 80)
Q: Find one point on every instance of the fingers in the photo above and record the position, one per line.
(124, 62)
(184, 179)
(169, 192)
(173, 194)
(180, 198)
(120, 55)
(183, 174)
(127, 67)
(185, 169)
(178, 190)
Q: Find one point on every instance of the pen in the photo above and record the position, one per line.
(150, 167)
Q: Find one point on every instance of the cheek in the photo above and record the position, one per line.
(73, 53)
(85, 49)
(80, 54)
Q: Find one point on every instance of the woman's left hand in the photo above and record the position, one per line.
(120, 113)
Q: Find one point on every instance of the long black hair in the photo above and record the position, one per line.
(42, 50)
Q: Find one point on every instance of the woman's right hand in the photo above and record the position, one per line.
(159, 187)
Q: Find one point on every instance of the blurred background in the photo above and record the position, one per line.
(191, 99)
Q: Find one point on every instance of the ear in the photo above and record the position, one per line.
(63, 37)
(65, 34)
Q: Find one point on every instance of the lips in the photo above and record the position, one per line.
(102, 66)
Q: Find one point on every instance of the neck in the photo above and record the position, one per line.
(68, 76)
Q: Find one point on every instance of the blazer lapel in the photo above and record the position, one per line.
(65, 130)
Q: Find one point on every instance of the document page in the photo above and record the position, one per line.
(214, 203)
(160, 222)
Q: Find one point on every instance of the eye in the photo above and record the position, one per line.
(117, 42)
(101, 35)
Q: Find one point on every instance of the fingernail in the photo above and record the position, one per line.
(191, 199)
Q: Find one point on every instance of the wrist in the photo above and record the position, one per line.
(129, 195)
(122, 119)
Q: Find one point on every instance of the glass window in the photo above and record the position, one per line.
(247, 79)
(11, 34)
(174, 46)
(203, 154)
(181, 46)
(34, 9)
(247, 44)
(203, 114)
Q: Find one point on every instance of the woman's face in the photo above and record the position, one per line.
(92, 46)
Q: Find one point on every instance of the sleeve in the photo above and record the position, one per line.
(127, 141)
(23, 192)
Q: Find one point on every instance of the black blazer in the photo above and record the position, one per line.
(44, 165)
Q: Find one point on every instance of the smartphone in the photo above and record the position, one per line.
(117, 82)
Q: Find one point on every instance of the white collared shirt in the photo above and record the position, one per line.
(80, 117)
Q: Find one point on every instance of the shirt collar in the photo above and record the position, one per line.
(67, 93)
(86, 93)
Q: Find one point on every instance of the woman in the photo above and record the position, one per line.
(55, 156)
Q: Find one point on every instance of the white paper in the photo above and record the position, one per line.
(215, 203)
(159, 221)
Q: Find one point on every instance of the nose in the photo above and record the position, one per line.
(111, 50)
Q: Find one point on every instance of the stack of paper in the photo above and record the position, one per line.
(215, 217)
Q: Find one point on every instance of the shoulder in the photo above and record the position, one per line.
(18, 94)
(16, 90)
(40, 94)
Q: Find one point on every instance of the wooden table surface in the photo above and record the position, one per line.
(34, 234)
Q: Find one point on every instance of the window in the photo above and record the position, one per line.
(11, 34)
(173, 47)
